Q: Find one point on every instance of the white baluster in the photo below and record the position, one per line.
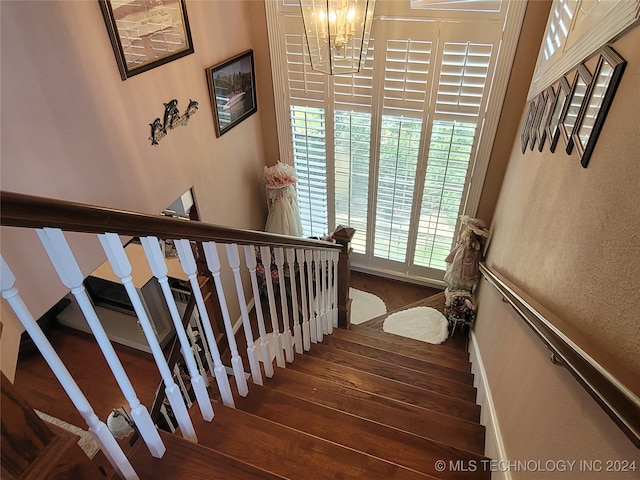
(250, 260)
(252, 354)
(303, 297)
(313, 329)
(100, 431)
(205, 343)
(297, 332)
(318, 300)
(163, 412)
(325, 297)
(196, 353)
(69, 272)
(265, 254)
(287, 343)
(336, 259)
(155, 257)
(122, 268)
(329, 292)
(183, 387)
(213, 262)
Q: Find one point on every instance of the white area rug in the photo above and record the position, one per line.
(421, 323)
(86, 441)
(365, 306)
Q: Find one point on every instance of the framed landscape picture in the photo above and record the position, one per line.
(232, 91)
(146, 34)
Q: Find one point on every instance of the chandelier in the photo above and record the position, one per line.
(337, 33)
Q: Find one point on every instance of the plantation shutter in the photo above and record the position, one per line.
(307, 92)
(353, 99)
(464, 72)
(406, 83)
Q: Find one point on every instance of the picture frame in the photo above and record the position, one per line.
(541, 102)
(145, 35)
(573, 105)
(596, 104)
(526, 129)
(232, 91)
(553, 125)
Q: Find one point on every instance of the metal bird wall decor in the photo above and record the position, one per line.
(171, 120)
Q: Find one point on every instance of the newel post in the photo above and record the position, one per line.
(343, 236)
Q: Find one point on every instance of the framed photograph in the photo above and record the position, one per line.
(145, 34)
(574, 104)
(232, 89)
(597, 102)
(559, 101)
(541, 102)
(526, 129)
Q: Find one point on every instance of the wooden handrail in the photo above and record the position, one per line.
(615, 398)
(20, 210)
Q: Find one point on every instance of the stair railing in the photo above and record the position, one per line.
(314, 291)
(615, 398)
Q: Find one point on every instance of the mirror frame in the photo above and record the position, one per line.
(559, 101)
(541, 103)
(526, 129)
(618, 64)
(583, 75)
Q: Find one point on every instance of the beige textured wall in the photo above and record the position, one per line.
(571, 238)
(72, 129)
(519, 80)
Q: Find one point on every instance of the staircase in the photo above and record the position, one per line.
(362, 404)
(299, 398)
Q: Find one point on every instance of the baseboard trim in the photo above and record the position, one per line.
(494, 444)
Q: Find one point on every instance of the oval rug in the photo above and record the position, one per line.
(365, 306)
(420, 323)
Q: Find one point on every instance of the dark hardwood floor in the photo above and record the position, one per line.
(81, 355)
(394, 293)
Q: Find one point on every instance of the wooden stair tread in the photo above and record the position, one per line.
(440, 350)
(420, 379)
(354, 432)
(418, 421)
(385, 387)
(288, 452)
(385, 341)
(185, 460)
(397, 358)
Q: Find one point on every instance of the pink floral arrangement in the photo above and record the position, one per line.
(280, 175)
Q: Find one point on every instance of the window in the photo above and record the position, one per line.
(390, 150)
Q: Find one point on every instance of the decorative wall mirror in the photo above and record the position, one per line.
(541, 103)
(573, 106)
(596, 104)
(541, 134)
(526, 130)
(559, 101)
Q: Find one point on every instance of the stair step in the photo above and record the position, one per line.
(393, 343)
(354, 432)
(185, 460)
(420, 379)
(456, 432)
(397, 358)
(289, 453)
(442, 349)
(385, 387)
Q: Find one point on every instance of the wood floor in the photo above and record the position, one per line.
(86, 364)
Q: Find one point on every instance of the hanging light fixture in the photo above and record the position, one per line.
(337, 33)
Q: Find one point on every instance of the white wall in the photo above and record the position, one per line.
(72, 129)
